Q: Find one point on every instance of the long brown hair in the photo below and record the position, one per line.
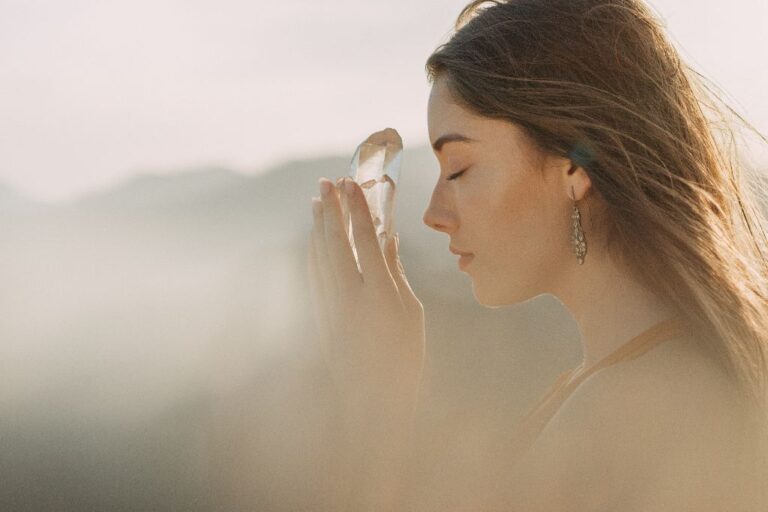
(597, 81)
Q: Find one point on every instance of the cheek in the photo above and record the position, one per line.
(523, 234)
(515, 212)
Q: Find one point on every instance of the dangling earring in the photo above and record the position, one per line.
(577, 237)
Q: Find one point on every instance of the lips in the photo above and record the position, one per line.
(465, 259)
(458, 252)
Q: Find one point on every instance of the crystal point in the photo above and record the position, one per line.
(375, 166)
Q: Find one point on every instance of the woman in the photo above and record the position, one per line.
(575, 160)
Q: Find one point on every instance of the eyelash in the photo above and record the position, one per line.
(455, 175)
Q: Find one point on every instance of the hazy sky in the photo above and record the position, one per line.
(92, 91)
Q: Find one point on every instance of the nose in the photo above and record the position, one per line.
(438, 215)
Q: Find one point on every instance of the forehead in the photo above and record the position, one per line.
(496, 137)
(444, 113)
(447, 116)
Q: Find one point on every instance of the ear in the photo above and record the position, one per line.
(577, 182)
(568, 174)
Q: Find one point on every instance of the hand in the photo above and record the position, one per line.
(370, 322)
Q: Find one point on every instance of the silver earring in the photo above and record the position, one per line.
(577, 236)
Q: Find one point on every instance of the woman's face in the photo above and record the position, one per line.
(510, 208)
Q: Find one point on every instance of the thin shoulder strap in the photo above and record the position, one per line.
(640, 344)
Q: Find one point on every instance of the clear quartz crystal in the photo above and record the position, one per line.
(375, 167)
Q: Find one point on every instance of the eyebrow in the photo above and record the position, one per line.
(450, 137)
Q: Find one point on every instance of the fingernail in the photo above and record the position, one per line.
(325, 187)
(349, 187)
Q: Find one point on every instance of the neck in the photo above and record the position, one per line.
(609, 306)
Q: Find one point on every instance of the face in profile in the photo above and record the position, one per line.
(509, 206)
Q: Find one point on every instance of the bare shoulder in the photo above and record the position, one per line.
(649, 429)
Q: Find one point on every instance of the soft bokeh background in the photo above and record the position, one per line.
(157, 160)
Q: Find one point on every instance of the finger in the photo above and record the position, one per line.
(409, 298)
(390, 256)
(317, 296)
(341, 259)
(326, 280)
(372, 261)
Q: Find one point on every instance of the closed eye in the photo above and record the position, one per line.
(455, 175)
